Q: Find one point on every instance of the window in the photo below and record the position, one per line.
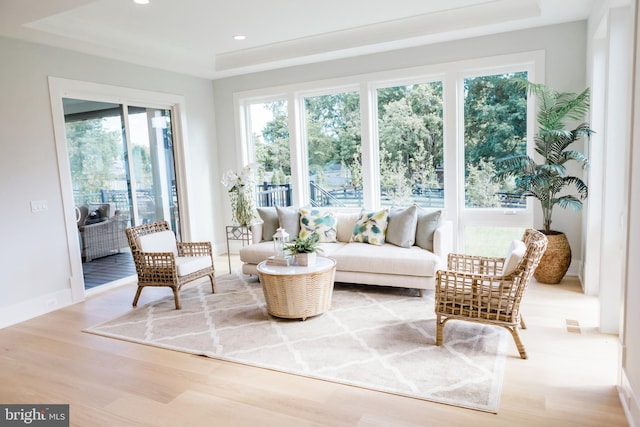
(410, 145)
(495, 126)
(270, 139)
(268, 130)
(137, 177)
(334, 153)
(430, 136)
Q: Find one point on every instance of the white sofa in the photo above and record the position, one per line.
(388, 264)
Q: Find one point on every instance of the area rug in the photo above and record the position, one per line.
(379, 338)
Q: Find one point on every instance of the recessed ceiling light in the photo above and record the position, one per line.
(141, 1)
(239, 37)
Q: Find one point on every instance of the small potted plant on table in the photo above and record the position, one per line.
(304, 249)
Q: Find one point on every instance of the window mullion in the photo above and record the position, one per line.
(370, 155)
(297, 145)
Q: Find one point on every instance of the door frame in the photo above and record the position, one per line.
(60, 88)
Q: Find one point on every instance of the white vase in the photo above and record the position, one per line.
(305, 260)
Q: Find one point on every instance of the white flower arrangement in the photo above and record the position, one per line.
(233, 181)
(240, 187)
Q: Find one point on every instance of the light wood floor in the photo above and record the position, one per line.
(568, 380)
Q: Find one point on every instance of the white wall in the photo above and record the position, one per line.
(34, 255)
(565, 59)
(610, 36)
(630, 333)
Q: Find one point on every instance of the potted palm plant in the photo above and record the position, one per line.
(304, 249)
(549, 181)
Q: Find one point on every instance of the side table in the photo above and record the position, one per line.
(240, 233)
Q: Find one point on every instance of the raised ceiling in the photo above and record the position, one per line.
(195, 36)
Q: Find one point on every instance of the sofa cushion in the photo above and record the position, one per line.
(345, 225)
(162, 241)
(190, 264)
(371, 227)
(289, 219)
(258, 252)
(322, 223)
(516, 252)
(386, 259)
(428, 221)
(401, 230)
(270, 222)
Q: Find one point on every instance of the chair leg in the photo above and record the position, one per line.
(176, 297)
(213, 283)
(522, 324)
(135, 300)
(439, 329)
(516, 338)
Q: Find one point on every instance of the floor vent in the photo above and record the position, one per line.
(573, 326)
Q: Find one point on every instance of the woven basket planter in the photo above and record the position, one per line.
(555, 261)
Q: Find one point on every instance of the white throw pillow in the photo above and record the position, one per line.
(346, 222)
(514, 256)
(162, 241)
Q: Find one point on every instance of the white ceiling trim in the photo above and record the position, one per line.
(407, 32)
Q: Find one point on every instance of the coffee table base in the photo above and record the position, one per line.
(298, 296)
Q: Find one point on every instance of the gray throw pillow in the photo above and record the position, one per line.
(401, 230)
(289, 219)
(428, 221)
(270, 222)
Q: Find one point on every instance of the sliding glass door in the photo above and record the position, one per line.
(122, 168)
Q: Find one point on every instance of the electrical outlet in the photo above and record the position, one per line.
(39, 206)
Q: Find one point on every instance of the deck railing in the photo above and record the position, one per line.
(273, 195)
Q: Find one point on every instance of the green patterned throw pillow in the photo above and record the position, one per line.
(371, 227)
(320, 222)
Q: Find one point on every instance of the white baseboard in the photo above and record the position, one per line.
(575, 268)
(26, 310)
(630, 401)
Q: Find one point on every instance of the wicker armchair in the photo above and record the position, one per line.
(104, 236)
(162, 261)
(477, 289)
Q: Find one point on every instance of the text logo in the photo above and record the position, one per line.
(34, 415)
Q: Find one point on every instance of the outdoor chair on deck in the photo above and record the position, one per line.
(162, 261)
(101, 230)
(488, 290)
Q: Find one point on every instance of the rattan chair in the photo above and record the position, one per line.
(169, 263)
(106, 235)
(474, 288)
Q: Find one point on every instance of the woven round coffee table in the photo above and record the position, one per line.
(294, 292)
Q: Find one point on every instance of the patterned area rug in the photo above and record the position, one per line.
(375, 337)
